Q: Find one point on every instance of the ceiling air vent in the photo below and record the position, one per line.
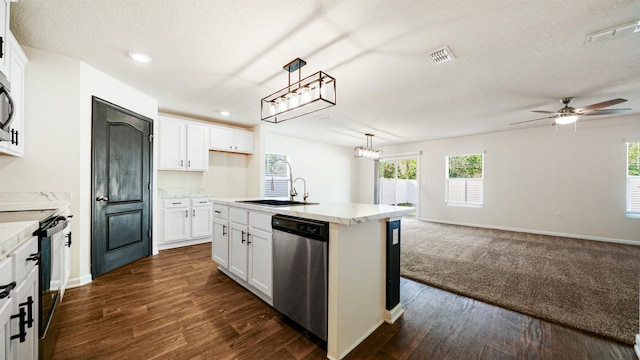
(441, 55)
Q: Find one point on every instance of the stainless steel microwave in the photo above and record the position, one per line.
(6, 112)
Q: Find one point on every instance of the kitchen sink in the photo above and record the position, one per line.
(274, 202)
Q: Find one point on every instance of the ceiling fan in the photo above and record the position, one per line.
(568, 114)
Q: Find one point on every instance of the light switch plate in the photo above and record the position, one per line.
(395, 237)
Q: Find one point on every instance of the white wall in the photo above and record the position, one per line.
(57, 138)
(329, 170)
(530, 174)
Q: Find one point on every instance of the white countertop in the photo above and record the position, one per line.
(340, 213)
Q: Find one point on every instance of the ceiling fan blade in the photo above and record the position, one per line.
(605, 112)
(526, 121)
(544, 112)
(600, 105)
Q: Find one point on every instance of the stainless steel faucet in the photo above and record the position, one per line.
(305, 194)
(292, 192)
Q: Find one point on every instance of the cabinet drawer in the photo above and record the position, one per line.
(260, 221)
(238, 216)
(172, 203)
(220, 212)
(200, 202)
(22, 266)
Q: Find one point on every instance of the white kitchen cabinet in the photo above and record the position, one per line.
(6, 306)
(183, 145)
(220, 245)
(250, 253)
(186, 222)
(4, 30)
(16, 60)
(24, 322)
(201, 215)
(231, 140)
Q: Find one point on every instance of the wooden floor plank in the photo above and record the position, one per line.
(177, 305)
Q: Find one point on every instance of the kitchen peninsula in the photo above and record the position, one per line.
(357, 262)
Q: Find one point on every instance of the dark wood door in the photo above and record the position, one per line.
(121, 173)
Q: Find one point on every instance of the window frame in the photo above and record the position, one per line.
(276, 178)
(466, 182)
(632, 181)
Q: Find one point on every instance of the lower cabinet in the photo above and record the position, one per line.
(220, 245)
(20, 303)
(186, 222)
(250, 253)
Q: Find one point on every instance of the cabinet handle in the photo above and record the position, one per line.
(17, 142)
(176, 203)
(22, 334)
(189, 163)
(186, 213)
(194, 212)
(35, 257)
(6, 289)
(68, 236)
(218, 212)
(248, 242)
(181, 163)
(224, 232)
(243, 240)
(26, 319)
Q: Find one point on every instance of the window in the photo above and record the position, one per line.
(633, 179)
(464, 179)
(276, 176)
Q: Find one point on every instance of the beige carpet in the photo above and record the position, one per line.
(589, 285)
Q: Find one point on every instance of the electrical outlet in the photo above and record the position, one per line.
(558, 214)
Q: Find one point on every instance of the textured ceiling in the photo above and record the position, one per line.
(511, 57)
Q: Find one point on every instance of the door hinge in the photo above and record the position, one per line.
(150, 137)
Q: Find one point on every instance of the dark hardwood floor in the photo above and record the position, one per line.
(178, 306)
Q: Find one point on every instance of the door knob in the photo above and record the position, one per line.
(102, 198)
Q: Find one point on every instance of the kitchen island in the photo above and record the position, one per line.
(357, 259)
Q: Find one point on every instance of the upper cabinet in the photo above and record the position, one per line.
(231, 140)
(183, 145)
(15, 73)
(4, 31)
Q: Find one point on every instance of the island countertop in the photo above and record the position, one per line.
(339, 213)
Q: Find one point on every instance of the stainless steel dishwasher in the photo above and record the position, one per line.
(300, 268)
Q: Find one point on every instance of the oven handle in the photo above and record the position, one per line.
(55, 229)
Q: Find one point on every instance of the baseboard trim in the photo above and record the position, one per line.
(539, 232)
(75, 282)
(390, 316)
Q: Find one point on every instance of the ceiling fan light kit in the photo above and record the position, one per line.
(313, 93)
(569, 115)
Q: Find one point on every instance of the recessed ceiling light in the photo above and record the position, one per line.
(140, 57)
(225, 113)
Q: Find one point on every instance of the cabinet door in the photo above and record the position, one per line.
(220, 246)
(197, 148)
(221, 139)
(4, 31)
(27, 299)
(6, 308)
(243, 142)
(238, 250)
(172, 144)
(201, 221)
(17, 60)
(176, 224)
(260, 260)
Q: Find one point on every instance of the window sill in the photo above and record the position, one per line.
(633, 216)
(464, 205)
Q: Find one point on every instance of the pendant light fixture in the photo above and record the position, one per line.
(313, 93)
(368, 152)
